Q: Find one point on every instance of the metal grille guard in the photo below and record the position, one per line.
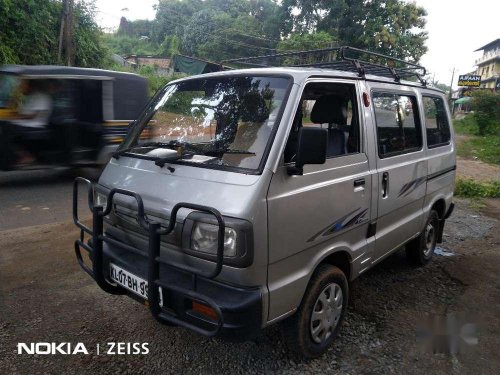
(155, 230)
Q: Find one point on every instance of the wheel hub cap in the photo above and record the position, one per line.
(326, 313)
(429, 239)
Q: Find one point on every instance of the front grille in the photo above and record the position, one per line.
(125, 219)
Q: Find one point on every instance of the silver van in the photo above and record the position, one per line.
(248, 197)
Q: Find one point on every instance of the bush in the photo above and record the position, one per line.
(486, 106)
(467, 125)
(156, 81)
(471, 189)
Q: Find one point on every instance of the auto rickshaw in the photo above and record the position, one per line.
(65, 116)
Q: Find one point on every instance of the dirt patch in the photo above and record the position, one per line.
(44, 296)
(477, 170)
(474, 168)
(491, 208)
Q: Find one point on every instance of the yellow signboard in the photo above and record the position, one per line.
(469, 80)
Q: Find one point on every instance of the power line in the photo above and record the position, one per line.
(253, 46)
(225, 38)
(253, 36)
(220, 31)
(245, 45)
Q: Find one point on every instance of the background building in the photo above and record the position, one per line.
(160, 64)
(488, 65)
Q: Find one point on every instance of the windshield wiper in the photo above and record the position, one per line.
(242, 152)
(185, 145)
(182, 151)
(231, 151)
(170, 144)
(119, 153)
(166, 159)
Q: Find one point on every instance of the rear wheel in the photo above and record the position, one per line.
(313, 328)
(420, 250)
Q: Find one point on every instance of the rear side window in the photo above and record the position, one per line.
(436, 122)
(398, 125)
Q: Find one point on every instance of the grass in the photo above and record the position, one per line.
(466, 126)
(473, 189)
(485, 148)
(477, 203)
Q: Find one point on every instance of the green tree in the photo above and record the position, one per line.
(486, 106)
(124, 28)
(219, 29)
(222, 29)
(442, 86)
(200, 29)
(301, 42)
(392, 27)
(90, 50)
(137, 28)
(30, 31)
(171, 17)
(170, 46)
(307, 41)
(234, 37)
(126, 45)
(141, 28)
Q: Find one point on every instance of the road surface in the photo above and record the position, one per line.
(37, 197)
(46, 297)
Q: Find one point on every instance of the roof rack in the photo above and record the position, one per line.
(343, 58)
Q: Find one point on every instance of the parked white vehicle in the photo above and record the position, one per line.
(262, 193)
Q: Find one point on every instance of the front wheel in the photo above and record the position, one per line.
(420, 250)
(313, 328)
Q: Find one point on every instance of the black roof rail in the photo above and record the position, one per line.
(343, 58)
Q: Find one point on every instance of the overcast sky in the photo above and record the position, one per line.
(456, 29)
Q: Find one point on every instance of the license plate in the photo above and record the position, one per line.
(131, 282)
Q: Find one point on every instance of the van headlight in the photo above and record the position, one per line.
(200, 238)
(204, 238)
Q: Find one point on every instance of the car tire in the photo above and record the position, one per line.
(326, 296)
(419, 251)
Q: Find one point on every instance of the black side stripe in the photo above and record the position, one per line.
(440, 173)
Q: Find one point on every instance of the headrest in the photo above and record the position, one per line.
(329, 109)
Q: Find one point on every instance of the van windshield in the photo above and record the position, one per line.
(220, 121)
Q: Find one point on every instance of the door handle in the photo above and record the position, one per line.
(359, 185)
(385, 184)
(359, 182)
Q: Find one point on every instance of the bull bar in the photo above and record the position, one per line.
(95, 249)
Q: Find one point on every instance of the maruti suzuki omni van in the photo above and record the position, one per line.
(248, 197)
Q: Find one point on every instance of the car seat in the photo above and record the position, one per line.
(330, 109)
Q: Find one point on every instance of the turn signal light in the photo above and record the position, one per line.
(204, 310)
(366, 99)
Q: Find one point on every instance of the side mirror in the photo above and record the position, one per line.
(311, 149)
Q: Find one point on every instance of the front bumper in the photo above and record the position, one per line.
(237, 311)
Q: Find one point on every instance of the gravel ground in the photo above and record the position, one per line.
(44, 296)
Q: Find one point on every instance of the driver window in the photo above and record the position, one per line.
(330, 106)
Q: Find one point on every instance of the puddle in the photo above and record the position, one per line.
(443, 252)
